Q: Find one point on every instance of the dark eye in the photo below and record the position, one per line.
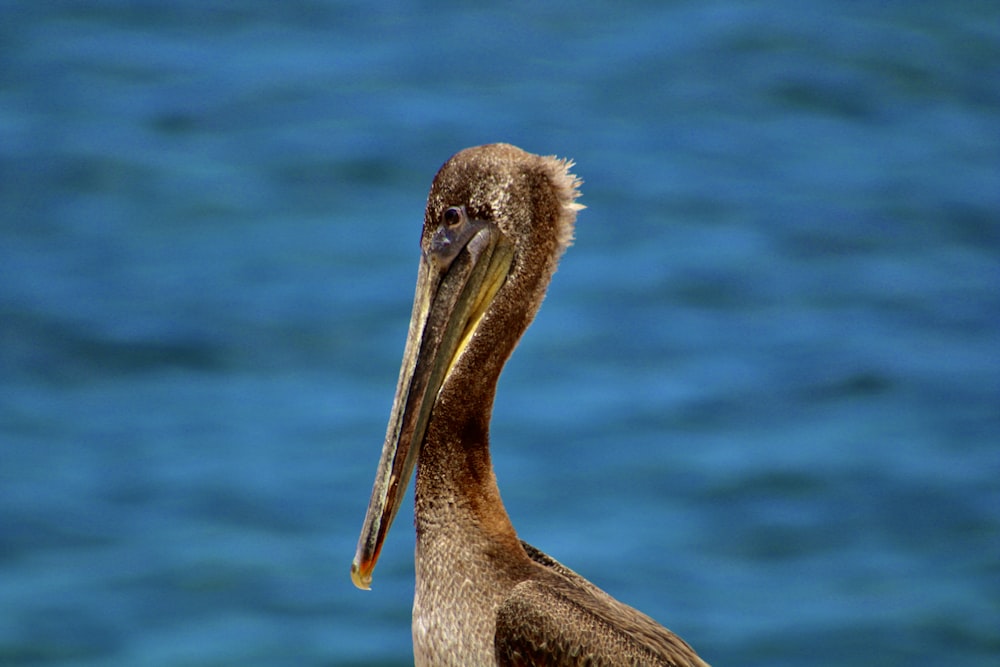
(452, 216)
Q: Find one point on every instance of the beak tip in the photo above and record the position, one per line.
(362, 577)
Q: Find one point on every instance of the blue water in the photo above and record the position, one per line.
(761, 403)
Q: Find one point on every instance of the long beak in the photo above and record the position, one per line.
(460, 273)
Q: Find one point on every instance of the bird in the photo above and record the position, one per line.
(497, 221)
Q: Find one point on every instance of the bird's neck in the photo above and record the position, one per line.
(467, 553)
(456, 488)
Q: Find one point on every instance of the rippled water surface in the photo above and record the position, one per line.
(761, 403)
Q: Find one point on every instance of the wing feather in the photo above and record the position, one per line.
(560, 618)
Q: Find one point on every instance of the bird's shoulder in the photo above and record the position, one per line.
(556, 617)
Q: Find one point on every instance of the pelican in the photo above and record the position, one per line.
(496, 223)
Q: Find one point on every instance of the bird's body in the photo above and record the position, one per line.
(497, 221)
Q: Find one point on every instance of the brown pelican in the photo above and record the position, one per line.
(496, 223)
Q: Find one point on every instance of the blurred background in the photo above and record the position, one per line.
(761, 403)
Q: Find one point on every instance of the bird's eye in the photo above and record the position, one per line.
(452, 216)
